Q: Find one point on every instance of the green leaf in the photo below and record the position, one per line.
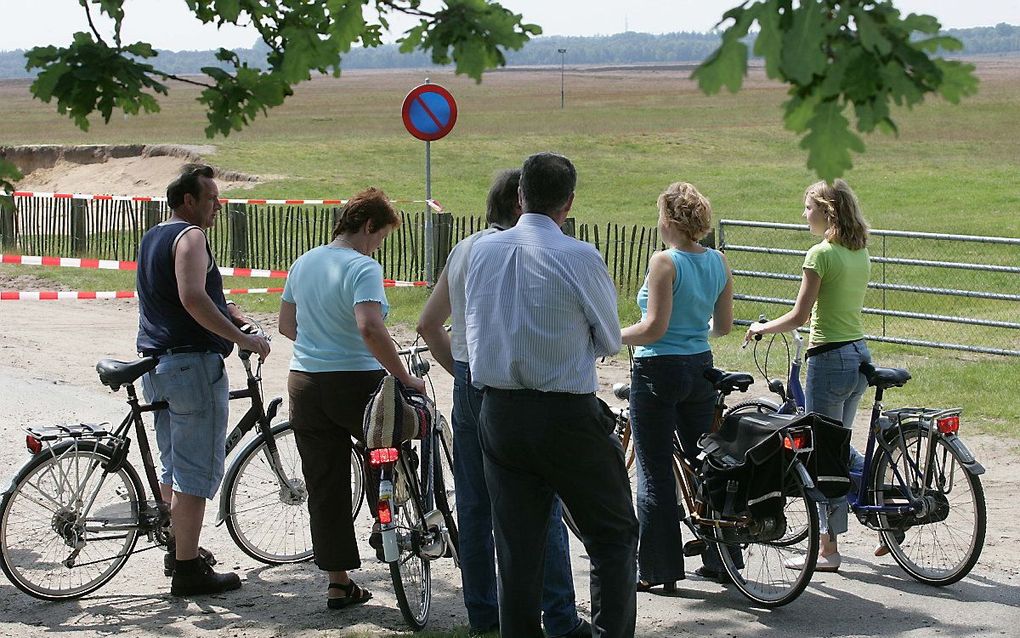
(932, 45)
(873, 114)
(958, 79)
(860, 82)
(871, 34)
(9, 174)
(802, 56)
(769, 43)
(726, 67)
(799, 111)
(228, 10)
(830, 141)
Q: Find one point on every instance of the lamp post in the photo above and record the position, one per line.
(562, 53)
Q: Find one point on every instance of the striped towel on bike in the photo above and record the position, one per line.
(392, 416)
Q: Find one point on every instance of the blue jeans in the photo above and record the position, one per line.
(191, 433)
(474, 516)
(668, 393)
(835, 386)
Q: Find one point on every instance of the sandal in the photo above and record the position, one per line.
(667, 588)
(354, 595)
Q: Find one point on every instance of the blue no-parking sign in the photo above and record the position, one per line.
(429, 112)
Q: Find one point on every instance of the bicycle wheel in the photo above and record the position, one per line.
(754, 406)
(941, 546)
(411, 574)
(267, 520)
(446, 493)
(42, 521)
(773, 573)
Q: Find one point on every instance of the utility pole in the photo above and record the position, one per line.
(562, 53)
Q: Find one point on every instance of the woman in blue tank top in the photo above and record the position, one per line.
(688, 289)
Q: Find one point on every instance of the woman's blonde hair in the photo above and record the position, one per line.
(687, 210)
(847, 226)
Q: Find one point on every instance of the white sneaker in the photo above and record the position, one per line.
(824, 563)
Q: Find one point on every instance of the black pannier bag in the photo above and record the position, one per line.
(829, 461)
(746, 461)
(744, 467)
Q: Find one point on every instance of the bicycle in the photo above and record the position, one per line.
(754, 550)
(73, 513)
(416, 503)
(901, 488)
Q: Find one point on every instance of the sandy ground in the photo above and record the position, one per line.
(133, 176)
(47, 354)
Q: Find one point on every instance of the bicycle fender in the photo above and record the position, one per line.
(967, 459)
(234, 467)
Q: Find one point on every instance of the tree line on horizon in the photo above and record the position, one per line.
(621, 48)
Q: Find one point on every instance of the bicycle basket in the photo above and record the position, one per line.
(393, 415)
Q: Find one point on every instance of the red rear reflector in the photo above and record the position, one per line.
(385, 515)
(797, 441)
(33, 444)
(383, 455)
(949, 424)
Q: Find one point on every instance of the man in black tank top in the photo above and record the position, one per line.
(185, 320)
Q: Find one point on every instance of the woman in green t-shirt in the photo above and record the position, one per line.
(835, 278)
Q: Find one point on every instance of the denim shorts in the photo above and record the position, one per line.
(191, 434)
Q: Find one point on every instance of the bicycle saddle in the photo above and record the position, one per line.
(884, 377)
(621, 391)
(117, 373)
(727, 382)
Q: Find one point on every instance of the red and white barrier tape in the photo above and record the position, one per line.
(433, 204)
(110, 264)
(67, 295)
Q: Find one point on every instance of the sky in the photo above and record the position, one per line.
(167, 24)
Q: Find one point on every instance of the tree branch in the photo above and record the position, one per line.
(92, 25)
(406, 10)
(171, 76)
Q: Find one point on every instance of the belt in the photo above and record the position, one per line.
(538, 393)
(176, 350)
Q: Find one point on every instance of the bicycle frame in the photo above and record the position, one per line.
(913, 491)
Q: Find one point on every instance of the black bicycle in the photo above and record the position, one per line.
(72, 515)
(416, 504)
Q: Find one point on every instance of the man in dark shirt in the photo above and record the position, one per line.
(185, 320)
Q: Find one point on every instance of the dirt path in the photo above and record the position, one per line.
(47, 354)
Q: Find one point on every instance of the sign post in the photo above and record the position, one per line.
(429, 113)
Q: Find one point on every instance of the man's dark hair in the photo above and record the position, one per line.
(370, 206)
(547, 181)
(188, 182)
(502, 203)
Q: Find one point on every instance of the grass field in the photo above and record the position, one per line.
(953, 168)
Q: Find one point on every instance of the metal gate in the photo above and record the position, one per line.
(956, 292)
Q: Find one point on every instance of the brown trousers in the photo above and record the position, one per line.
(326, 410)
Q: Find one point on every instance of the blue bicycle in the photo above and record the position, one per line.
(919, 486)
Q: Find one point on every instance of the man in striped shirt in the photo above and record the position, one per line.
(539, 308)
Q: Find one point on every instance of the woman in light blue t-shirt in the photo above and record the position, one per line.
(688, 290)
(333, 308)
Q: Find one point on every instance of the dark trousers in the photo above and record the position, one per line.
(539, 444)
(326, 410)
